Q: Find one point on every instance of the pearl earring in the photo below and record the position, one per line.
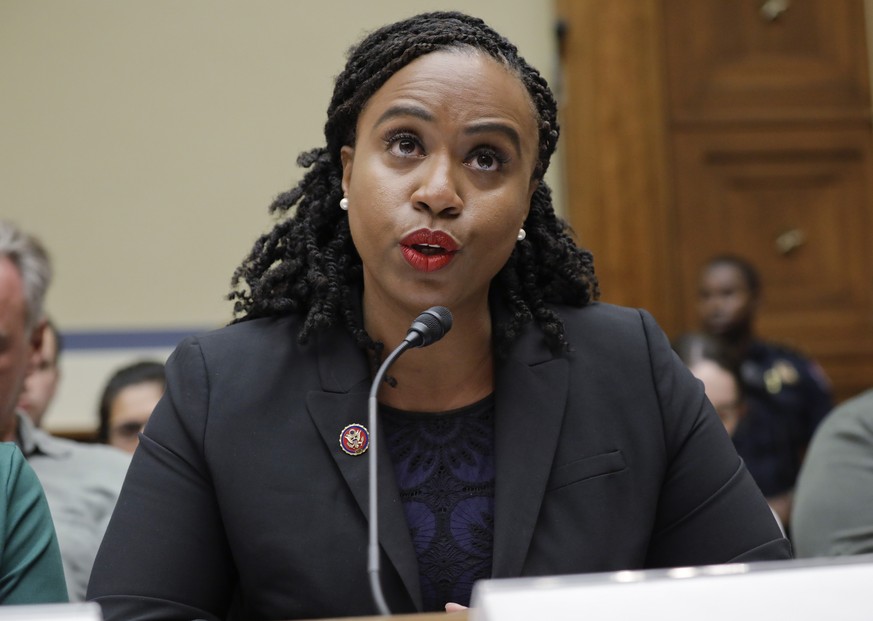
(344, 203)
(521, 234)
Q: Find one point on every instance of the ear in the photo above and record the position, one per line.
(534, 184)
(347, 156)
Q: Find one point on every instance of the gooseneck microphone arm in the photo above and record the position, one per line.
(428, 328)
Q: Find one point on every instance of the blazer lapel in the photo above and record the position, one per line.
(530, 401)
(346, 382)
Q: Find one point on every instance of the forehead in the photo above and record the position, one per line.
(724, 274)
(472, 82)
(145, 393)
(716, 380)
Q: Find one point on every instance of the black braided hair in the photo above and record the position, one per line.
(308, 264)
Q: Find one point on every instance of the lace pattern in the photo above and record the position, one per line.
(444, 465)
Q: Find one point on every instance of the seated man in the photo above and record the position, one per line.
(709, 362)
(31, 571)
(833, 506)
(40, 386)
(81, 481)
(788, 394)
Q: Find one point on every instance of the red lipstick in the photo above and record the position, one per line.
(428, 251)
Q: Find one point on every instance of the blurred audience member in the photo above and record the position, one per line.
(31, 571)
(833, 506)
(81, 481)
(40, 386)
(30, 562)
(788, 395)
(128, 399)
(708, 360)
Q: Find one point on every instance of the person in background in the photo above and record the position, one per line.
(128, 400)
(31, 571)
(30, 564)
(81, 481)
(544, 433)
(708, 361)
(833, 505)
(41, 385)
(788, 395)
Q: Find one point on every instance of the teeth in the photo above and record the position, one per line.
(429, 249)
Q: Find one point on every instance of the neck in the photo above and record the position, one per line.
(9, 428)
(425, 383)
(454, 372)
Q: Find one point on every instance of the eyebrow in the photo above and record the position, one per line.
(479, 128)
(506, 130)
(414, 111)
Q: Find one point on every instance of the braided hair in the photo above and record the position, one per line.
(308, 264)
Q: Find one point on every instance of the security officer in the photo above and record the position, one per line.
(788, 394)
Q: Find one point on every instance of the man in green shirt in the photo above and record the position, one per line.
(30, 559)
(30, 563)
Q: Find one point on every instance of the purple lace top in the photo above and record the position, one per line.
(444, 465)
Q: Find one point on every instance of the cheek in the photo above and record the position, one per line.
(372, 219)
(497, 237)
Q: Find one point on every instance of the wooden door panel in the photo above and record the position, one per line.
(740, 191)
(693, 127)
(727, 61)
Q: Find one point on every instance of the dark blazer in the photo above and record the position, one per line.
(240, 502)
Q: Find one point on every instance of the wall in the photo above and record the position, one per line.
(142, 142)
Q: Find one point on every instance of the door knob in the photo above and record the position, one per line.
(790, 241)
(772, 9)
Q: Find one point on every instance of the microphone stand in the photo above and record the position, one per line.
(373, 549)
(429, 327)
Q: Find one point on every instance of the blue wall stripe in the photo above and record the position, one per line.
(129, 339)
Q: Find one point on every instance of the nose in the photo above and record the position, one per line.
(436, 190)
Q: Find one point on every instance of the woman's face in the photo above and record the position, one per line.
(439, 181)
(130, 411)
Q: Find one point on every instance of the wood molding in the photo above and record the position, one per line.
(618, 194)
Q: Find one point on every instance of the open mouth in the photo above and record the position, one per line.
(428, 251)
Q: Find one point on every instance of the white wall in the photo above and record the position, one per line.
(143, 140)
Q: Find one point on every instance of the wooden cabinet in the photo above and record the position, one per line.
(736, 126)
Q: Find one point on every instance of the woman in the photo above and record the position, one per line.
(31, 571)
(545, 434)
(128, 399)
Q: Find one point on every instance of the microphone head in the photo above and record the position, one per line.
(430, 326)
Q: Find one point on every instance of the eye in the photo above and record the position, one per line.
(404, 144)
(487, 159)
(128, 430)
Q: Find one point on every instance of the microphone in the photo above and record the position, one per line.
(429, 327)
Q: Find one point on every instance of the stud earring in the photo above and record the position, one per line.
(521, 234)
(344, 203)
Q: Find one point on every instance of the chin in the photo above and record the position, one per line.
(718, 330)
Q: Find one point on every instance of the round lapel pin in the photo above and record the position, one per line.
(354, 439)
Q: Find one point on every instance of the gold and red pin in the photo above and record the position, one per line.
(354, 439)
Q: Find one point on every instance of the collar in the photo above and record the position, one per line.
(33, 441)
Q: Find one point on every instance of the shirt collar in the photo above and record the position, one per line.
(33, 441)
